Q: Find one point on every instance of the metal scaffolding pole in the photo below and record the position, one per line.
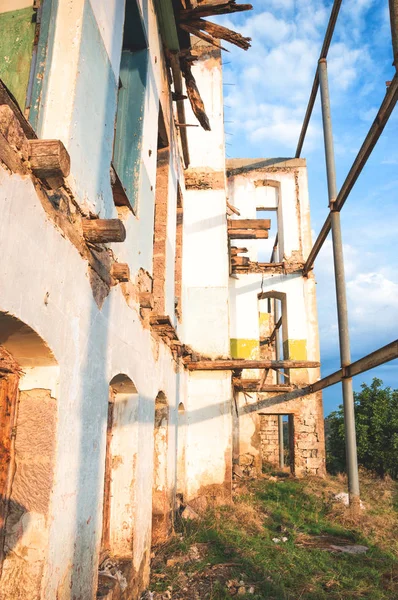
(342, 313)
(394, 30)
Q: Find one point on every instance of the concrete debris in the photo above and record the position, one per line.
(344, 498)
(237, 471)
(189, 513)
(109, 568)
(351, 549)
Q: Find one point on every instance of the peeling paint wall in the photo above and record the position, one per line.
(205, 325)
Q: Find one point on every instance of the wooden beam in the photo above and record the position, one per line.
(233, 209)
(239, 260)
(49, 160)
(229, 364)
(220, 32)
(253, 385)
(102, 231)
(195, 99)
(249, 224)
(248, 234)
(146, 300)
(235, 251)
(120, 272)
(210, 9)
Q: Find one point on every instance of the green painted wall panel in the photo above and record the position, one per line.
(16, 43)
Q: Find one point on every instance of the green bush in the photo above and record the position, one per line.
(376, 419)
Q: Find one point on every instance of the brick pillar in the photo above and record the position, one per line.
(160, 230)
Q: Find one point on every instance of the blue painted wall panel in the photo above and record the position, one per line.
(130, 118)
(92, 127)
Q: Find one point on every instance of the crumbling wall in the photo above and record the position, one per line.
(269, 439)
(28, 520)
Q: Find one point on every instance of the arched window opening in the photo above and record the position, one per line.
(118, 517)
(161, 500)
(28, 423)
(120, 461)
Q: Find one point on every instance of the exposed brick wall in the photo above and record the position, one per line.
(160, 230)
(178, 256)
(269, 439)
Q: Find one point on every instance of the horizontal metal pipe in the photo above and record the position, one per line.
(386, 108)
(324, 52)
(370, 361)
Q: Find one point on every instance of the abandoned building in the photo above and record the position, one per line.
(149, 348)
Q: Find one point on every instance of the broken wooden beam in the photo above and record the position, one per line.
(195, 99)
(235, 251)
(249, 224)
(146, 300)
(210, 9)
(102, 231)
(233, 209)
(248, 234)
(219, 32)
(238, 261)
(229, 364)
(49, 159)
(120, 272)
(254, 385)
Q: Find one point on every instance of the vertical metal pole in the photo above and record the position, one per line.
(278, 380)
(394, 30)
(342, 313)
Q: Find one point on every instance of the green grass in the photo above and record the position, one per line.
(242, 534)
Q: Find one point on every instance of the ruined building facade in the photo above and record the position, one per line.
(122, 282)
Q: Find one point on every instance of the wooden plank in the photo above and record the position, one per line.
(239, 260)
(120, 272)
(48, 159)
(253, 385)
(9, 157)
(248, 234)
(231, 364)
(249, 224)
(209, 9)
(194, 96)
(235, 251)
(101, 231)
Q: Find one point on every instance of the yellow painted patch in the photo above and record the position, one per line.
(264, 318)
(241, 348)
(295, 349)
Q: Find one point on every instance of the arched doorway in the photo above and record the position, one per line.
(28, 424)
(120, 464)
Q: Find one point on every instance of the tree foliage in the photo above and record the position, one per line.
(376, 419)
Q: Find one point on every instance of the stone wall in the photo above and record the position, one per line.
(269, 439)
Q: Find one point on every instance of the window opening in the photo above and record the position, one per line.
(19, 35)
(126, 162)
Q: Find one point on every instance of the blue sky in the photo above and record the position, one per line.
(264, 109)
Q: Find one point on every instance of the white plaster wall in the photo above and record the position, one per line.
(124, 449)
(209, 432)
(80, 106)
(91, 347)
(110, 19)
